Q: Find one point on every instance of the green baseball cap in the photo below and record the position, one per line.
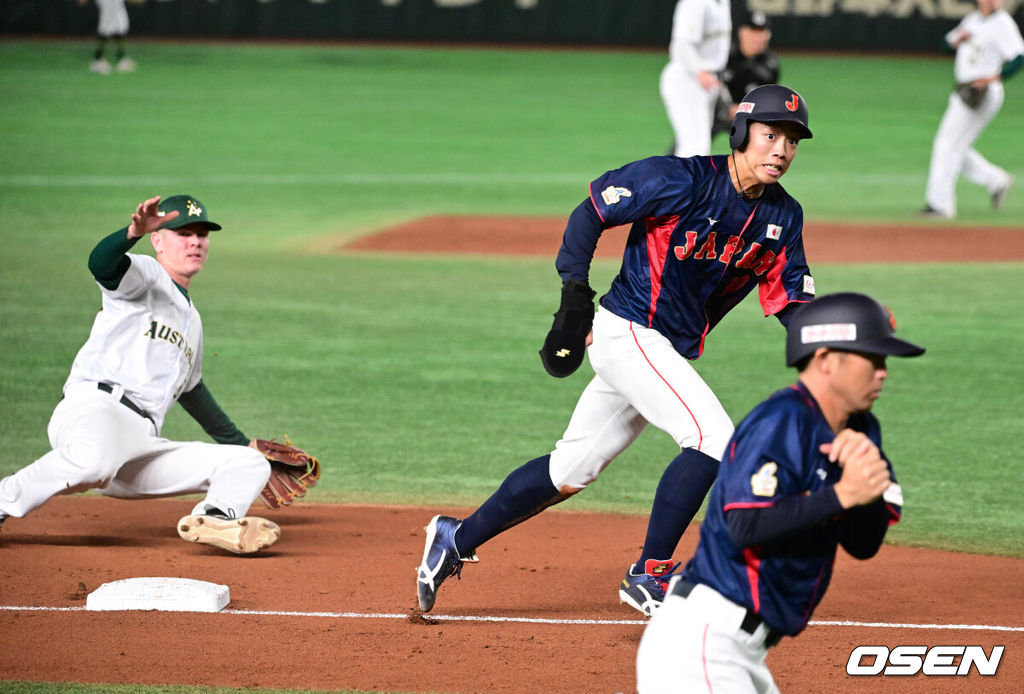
(190, 211)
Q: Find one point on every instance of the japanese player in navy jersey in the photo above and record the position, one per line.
(704, 233)
(803, 474)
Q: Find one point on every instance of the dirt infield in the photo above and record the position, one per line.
(332, 606)
(824, 242)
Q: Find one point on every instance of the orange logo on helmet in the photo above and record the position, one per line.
(793, 103)
(892, 318)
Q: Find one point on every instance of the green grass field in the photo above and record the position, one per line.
(414, 377)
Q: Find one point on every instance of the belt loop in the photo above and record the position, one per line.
(118, 392)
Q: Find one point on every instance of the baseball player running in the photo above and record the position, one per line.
(144, 354)
(989, 48)
(705, 232)
(803, 474)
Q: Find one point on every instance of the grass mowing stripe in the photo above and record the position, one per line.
(417, 377)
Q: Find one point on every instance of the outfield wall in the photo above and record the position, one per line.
(877, 25)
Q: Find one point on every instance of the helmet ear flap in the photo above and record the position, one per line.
(738, 133)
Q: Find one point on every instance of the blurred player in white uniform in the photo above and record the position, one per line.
(989, 48)
(113, 26)
(145, 353)
(698, 51)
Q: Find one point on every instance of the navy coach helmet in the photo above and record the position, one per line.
(845, 321)
(769, 103)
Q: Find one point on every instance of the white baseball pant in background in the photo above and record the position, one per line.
(953, 151)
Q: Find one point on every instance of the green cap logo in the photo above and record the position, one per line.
(190, 211)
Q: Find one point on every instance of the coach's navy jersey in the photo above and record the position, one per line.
(696, 247)
(772, 455)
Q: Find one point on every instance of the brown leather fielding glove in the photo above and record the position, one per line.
(292, 471)
(972, 96)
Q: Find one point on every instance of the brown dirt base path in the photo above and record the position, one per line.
(824, 242)
(332, 606)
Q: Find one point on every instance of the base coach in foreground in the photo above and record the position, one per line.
(803, 474)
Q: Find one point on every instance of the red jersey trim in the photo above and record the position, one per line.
(659, 240)
(771, 290)
(594, 203)
(753, 562)
(748, 504)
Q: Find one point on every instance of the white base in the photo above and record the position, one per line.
(171, 594)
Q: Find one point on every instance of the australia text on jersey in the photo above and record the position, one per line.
(165, 332)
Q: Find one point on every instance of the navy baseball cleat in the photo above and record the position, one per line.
(440, 559)
(645, 591)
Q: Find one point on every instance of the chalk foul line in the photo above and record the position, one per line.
(537, 620)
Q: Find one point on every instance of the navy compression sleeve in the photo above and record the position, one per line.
(579, 242)
(787, 312)
(864, 529)
(757, 526)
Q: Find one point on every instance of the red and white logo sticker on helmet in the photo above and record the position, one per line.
(793, 103)
(828, 332)
(745, 107)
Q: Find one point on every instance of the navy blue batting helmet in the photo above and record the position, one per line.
(845, 321)
(769, 103)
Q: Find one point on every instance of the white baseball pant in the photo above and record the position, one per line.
(113, 18)
(690, 109)
(99, 443)
(695, 644)
(953, 151)
(639, 378)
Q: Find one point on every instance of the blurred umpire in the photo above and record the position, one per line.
(751, 64)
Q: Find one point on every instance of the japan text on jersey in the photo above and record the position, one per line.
(696, 248)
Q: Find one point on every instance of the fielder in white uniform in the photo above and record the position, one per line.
(989, 48)
(113, 26)
(145, 353)
(698, 52)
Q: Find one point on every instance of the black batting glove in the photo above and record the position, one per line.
(565, 343)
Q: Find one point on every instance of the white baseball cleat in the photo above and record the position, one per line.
(100, 66)
(239, 535)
